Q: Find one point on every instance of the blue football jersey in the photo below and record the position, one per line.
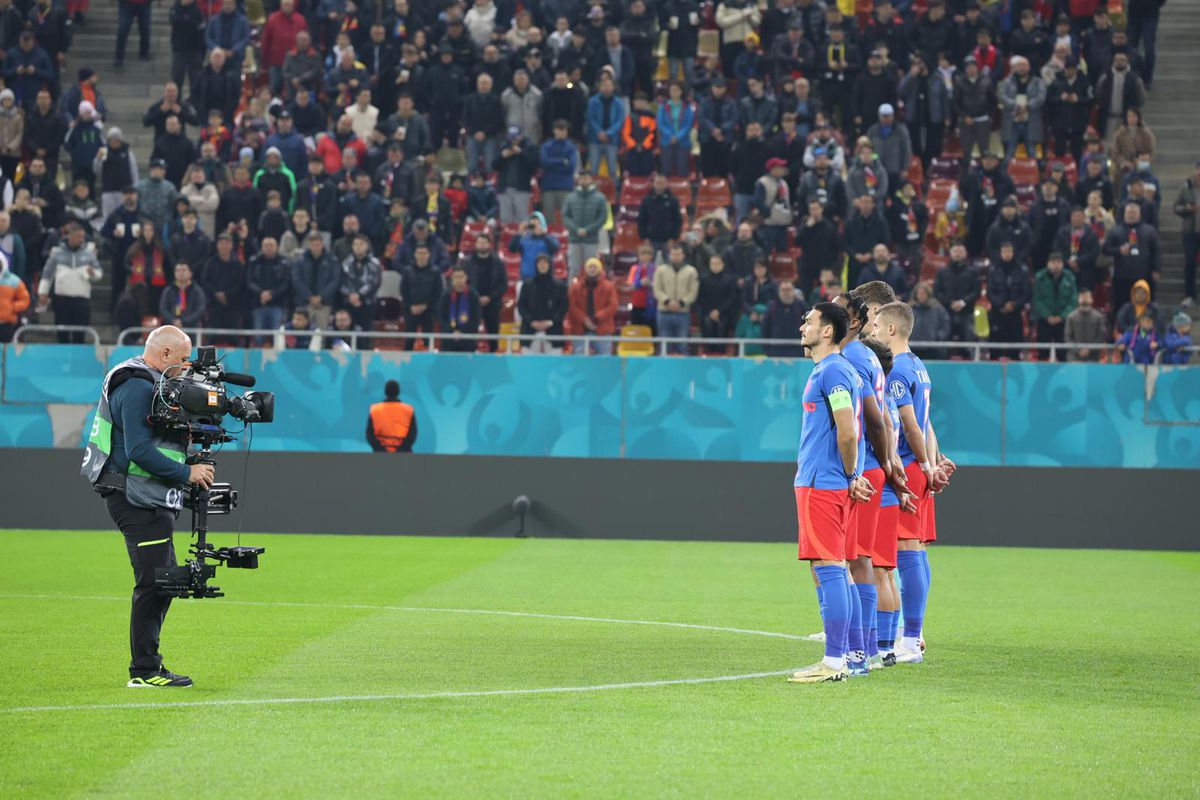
(908, 385)
(832, 384)
(866, 364)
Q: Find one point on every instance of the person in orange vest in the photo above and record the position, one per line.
(392, 425)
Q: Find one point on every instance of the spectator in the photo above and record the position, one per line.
(759, 290)
(927, 108)
(1054, 298)
(183, 303)
(483, 204)
(343, 245)
(364, 117)
(12, 129)
(144, 275)
(867, 175)
(26, 222)
(957, 288)
(1187, 205)
(371, 212)
(675, 120)
(316, 281)
(1130, 140)
(736, 19)
(560, 161)
(421, 287)
(1009, 227)
(318, 195)
(660, 218)
(789, 144)
(892, 143)
(782, 321)
(439, 254)
(681, 18)
(44, 193)
(1069, 103)
(45, 131)
(743, 253)
(289, 143)
(566, 101)
(592, 309)
(719, 303)
(1094, 178)
(676, 286)
(865, 228)
(190, 243)
(772, 207)
(1139, 305)
(169, 105)
(838, 64)
(907, 219)
(1022, 97)
(187, 42)
(1009, 292)
(229, 32)
(717, 123)
(585, 213)
(617, 60)
(240, 202)
(301, 73)
(268, 280)
(532, 243)
(217, 88)
(1118, 91)
(758, 106)
(882, 267)
(1140, 344)
(605, 120)
(223, 279)
(931, 321)
(361, 278)
(459, 314)
(292, 241)
(1134, 248)
(483, 123)
(542, 303)
(127, 12)
(825, 138)
(974, 104)
(488, 277)
(301, 321)
(156, 196)
(1085, 325)
(119, 232)
(27, 70)
(1048, 213)
(275, 176)
(643, 309)
(1176, 342)
(748, 165)
(639, 32)
(639, 137)
(278, 39)
(515, 167)
(175, 150)
(823, 184)
(873, 88)
(522, 103)
(1081, 248)
(117, 169)
(820, 245)
(14, 301)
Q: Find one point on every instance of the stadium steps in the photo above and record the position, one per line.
(1173, 113)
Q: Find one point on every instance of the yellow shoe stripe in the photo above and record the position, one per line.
(156, 541)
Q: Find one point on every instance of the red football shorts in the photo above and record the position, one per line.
(929, 521)
(863, 518)
(884, 552)
(911, 525)
(822, 515)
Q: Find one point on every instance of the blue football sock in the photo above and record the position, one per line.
(821, 602)
(837, 608)
(912, 598)
(868, 598)
(887, 627)
(854, 636)
(893, 626)
(928, 574)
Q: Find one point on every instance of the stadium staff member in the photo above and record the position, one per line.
(392, 425)
(142, 476)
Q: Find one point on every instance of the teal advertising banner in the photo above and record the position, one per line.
(720, 409)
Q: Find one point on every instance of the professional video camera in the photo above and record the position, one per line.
(193, 402)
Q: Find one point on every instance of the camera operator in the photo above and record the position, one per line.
(142, 476)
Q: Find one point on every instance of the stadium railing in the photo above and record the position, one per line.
(979, 350)
(24, 330)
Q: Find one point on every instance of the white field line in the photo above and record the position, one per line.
(604, 687)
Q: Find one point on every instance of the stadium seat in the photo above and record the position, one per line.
(512, 265)
(632, 193)
(682, 189)
(943, 169)
(715, 189)
(626, 239)
(782, 266)
(607, 187)
(509, 345)
(952, 147)
(1023, 171)
(1026, 196)
(388, 326)
(507, 232)
(916, 172)
(931, 264)
(636, 348)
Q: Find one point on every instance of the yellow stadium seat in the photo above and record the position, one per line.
(636, 348)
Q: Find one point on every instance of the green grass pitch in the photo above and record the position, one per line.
(1049, 674)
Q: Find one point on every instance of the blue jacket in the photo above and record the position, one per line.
(83, 142)
(482, 202)
(293, 149)
(595, 116)
(530, 247)
(1139, 347)
(371, 213)
(26, 87)
(73, 96)
(721, 114)
(238, 33)
(560, 160)
(668, 131)
(1175, 353)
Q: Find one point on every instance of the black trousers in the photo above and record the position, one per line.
(148, 539)
(491, 322)
(1191, 246)
(72, 311)
(714, 159)
(413, 323)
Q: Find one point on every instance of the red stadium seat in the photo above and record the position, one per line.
(916, 172)
(682, 189)
(1023, 171)
(512, 265)
(931, 264)
(626, 239)
(782, 266)
(944, 169)
(715, 189)
(1026, 196)
(607, 187)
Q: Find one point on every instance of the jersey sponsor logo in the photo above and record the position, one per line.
(810, 407)
(897, 389)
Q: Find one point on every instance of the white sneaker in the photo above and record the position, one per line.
(907, 656)
(816, 637)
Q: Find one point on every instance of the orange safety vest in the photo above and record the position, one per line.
(391, 421)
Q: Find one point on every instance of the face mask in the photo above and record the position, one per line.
(1143, 166)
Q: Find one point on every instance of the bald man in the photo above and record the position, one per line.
(142, 475)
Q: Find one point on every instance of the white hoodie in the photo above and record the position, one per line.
(70, 272)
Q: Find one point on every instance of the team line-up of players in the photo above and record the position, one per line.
(868, 468)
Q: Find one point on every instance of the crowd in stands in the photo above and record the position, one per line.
(575, 167)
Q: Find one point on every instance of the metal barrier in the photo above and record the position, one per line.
(661, 343)
(20, 332)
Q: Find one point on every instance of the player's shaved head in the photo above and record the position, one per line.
(167, 346)
(897, 314)
(874, 293)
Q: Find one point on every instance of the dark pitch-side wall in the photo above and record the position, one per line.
(626, 499)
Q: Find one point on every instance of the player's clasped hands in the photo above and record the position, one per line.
(861, 490)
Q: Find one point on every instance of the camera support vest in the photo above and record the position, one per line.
(141, 488)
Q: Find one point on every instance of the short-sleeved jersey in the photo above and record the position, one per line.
(832, 384)
(866, 364)
(908, 385)
(888, 495)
